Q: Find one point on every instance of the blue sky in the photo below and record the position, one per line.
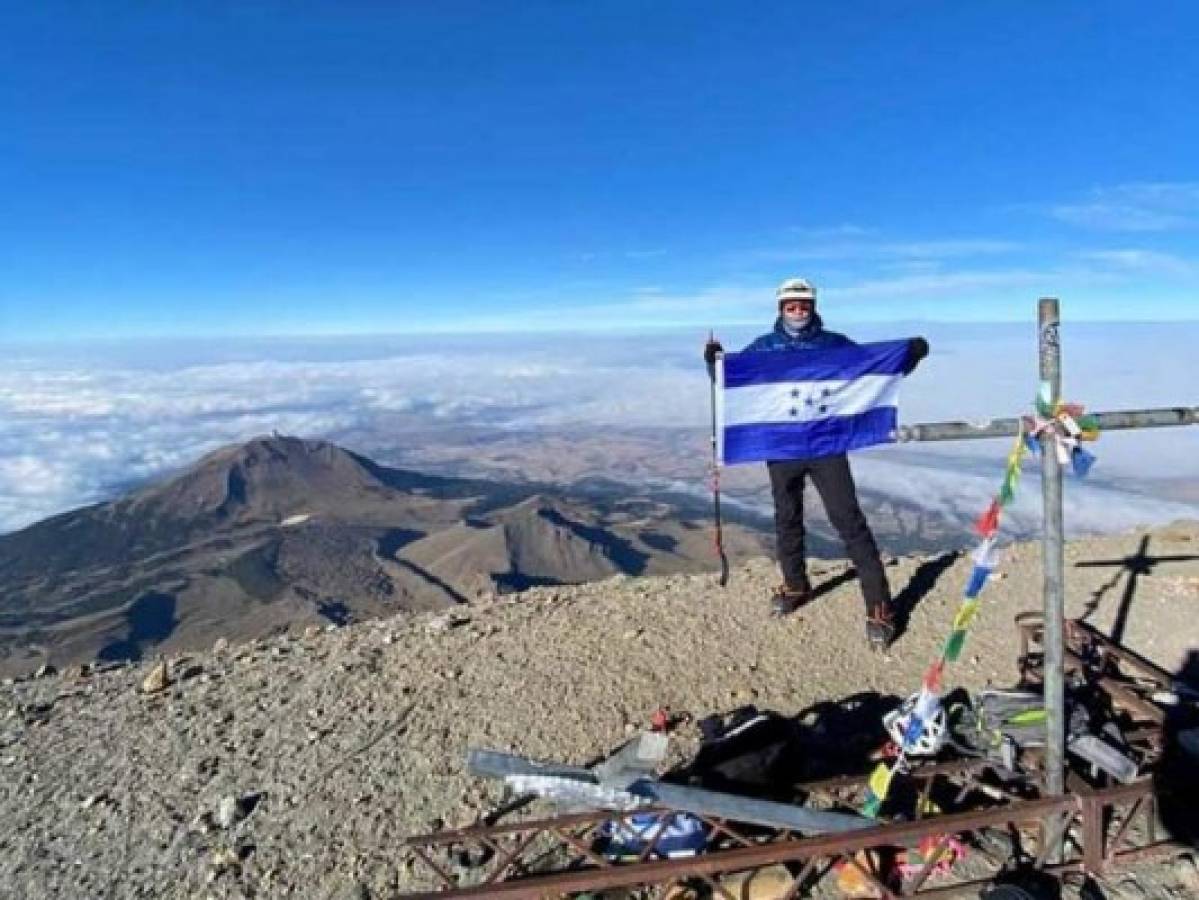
(325, 168)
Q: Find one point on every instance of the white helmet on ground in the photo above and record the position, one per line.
(932, 735)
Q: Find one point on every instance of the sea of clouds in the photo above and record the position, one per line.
(80, 423)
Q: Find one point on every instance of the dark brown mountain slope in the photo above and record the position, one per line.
(280, 531)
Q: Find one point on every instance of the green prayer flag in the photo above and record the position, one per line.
(1029, 717)
(1045, 400)
(1007, 493)
(953, 646)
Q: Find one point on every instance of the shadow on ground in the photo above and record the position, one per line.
(151, 619)
(1134, 566)
(919, 586)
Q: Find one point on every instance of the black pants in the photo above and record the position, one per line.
(834, 482)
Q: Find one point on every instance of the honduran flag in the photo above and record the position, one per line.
(804, 404)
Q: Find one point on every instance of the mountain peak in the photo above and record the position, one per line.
(266, 478)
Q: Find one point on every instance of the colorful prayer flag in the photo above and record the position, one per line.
(1081, 461)
(978, 578)
(988, 522)
(953, 646)
(932, 677)
(880, 780)
(966, 614)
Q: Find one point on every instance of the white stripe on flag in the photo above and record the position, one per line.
(720, 408)
(805, 401)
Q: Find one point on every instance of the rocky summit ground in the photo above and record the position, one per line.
(294, 766)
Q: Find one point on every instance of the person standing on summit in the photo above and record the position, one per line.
(799, 327)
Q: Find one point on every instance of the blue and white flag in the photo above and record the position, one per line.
(803, 404)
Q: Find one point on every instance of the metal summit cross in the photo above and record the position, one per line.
(1053, 562)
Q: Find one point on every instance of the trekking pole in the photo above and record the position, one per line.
(719, 538)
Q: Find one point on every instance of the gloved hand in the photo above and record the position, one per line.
(711, 348)
(917, 350)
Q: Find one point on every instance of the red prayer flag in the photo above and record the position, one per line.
(932, 678)
(988, 522)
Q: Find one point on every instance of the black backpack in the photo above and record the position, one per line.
(754, 754)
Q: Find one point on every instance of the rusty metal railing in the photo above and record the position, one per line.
(1003, 824)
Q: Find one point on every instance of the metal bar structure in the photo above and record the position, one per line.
(757, 850)
(1005, 823)
(1117, 420)
(1053, 557)
(1013, 828)
(1053, 538)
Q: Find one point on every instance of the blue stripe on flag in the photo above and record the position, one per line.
(809, 440)
(842, 363)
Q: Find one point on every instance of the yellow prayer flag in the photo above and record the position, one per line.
(880, 781)
(966, 613)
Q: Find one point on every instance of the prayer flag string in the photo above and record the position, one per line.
(1064, 426)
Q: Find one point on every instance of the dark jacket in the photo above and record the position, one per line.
(811, 337)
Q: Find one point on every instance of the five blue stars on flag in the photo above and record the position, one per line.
(811, 401)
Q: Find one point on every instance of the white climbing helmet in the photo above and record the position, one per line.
(931, 738)
(795, 289)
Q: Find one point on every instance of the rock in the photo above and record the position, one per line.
(350, 889)
(192, 670)
(1187, 874)
(223, 859)
(220, 645)
(1131, 887)
(771, 883)
(232, 810)
(444, 622)
(229, 812)
(94, 799)
(45, 671)
(158, 680)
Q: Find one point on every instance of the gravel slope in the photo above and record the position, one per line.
(294, 766)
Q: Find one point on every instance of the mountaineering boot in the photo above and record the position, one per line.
(880, 627)
(787, 599)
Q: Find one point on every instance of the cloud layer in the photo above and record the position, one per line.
(79, 429)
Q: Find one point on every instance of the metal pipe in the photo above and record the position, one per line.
(582, 786)
(496, 764)
(1118, 420)
(1053, 562)
(746, 809)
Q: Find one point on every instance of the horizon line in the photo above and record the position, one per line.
(77, 339)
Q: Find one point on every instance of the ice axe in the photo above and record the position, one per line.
(719, 536)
